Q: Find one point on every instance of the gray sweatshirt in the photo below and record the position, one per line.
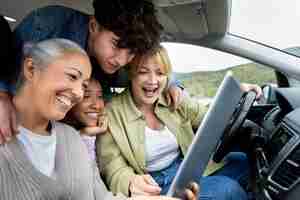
(75, 179)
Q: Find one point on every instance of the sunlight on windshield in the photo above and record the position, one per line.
(190, 58)
(271, 22)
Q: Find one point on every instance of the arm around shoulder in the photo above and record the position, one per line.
(193, 109)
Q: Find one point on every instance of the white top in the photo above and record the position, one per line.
(91, 146)
(40, 149)
(161, 148)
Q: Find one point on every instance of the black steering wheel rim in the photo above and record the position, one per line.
(231, 130)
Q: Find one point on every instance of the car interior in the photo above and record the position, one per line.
(267, 130)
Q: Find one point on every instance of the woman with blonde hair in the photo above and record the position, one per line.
(147, 139)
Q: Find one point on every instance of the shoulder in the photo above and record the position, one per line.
(69, 132)
(120, 102)
(50, 18)
(64, 127)
(56, 10)
(69, 137)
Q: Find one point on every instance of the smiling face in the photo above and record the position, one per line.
(103, 46)
(59, 86)
(148, 81)
(91, 107)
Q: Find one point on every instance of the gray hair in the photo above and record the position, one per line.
(44, 52)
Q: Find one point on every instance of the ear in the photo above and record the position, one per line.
(28, 69)
(93, 25)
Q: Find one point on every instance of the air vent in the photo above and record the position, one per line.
(288, 173)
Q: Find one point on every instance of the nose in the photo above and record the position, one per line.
(123, 57)
(97, 103)
(152, 78)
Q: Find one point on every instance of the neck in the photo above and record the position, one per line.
(27, 116)
(146, 108)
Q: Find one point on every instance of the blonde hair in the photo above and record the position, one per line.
(160, 55)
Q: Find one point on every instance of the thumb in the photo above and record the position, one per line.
(148, 179)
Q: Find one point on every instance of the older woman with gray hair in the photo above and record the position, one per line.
(47, 159)
(40, 163)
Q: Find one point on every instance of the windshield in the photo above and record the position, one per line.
(271, 22)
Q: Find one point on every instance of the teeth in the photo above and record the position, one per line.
(64, 100)
(93, 115)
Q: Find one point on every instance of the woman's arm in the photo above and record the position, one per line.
(100, 190)
(193, 110)
(114, 167)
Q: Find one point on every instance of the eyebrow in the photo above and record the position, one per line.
(77, 70)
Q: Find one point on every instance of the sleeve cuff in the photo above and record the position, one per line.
(5, 87)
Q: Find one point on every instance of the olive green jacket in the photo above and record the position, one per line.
(122, 149)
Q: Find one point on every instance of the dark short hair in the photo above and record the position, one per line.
(133, 21)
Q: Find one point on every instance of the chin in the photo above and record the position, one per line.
(150, 102)
(57, 116)
(109, 71)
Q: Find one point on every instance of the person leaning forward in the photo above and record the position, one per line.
(116, 32)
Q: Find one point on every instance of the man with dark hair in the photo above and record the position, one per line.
(116, 32)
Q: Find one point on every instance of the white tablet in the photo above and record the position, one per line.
(207, 136)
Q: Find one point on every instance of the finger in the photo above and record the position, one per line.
(92, 131)
(105, 123)
(194, 187)
(189, 195)
(258, 92)
(179, 98)
(143, 189)
(168, 99)
(148, 178)
(151, 189)
(148, 185)
(141, 193)
(100, 120)
(6, 132)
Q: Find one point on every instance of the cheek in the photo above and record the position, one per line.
(103, 50)
(80, 108)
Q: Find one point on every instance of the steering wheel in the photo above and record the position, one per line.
(231, 130)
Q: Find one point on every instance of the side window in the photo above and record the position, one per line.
(205, 68)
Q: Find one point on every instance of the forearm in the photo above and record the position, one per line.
(118, 177)
(101, 192)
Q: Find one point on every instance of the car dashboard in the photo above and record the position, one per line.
(278, 157)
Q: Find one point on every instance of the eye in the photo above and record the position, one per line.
(72, 77)
(84, 85)
(100, 96)
(86, 96)
(142, 71)
(114, 43)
